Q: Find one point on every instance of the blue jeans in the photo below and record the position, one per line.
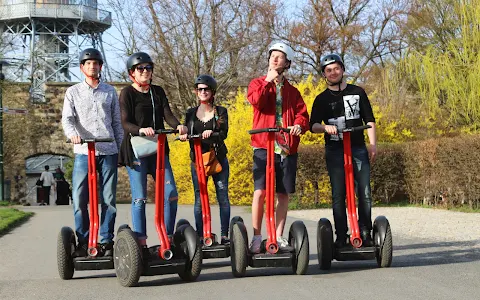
(221, 189)
(138, 185)
(107, 179)
(361, 171)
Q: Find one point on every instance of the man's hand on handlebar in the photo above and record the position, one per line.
(331, 129)
(295, 130)
(75, 139)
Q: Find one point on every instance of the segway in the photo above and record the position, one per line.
(382, 235)
(269, 255)
(182, 256)
(211, 248)
(66, 244)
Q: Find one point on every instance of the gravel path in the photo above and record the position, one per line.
(418, 223)
(425, 265)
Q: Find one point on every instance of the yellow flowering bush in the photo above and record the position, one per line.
(313, 187)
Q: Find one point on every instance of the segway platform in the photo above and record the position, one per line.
(93, 263)
(268, 260)
(351, 253)
(155, 265)
(216, 251)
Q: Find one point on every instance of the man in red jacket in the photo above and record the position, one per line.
(276, 103)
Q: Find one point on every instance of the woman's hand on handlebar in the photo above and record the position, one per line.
(183, 137)
(147, 131)
(206, 134)
(182, 129)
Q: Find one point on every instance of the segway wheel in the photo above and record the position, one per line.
(236, 219)
(324, 244)
(181, 222)
(193, 264)
(127, 258)
(65, 248)
(298, 238)
(384, 253)
(238, 249)
(122, 227)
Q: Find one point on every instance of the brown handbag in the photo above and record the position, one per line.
(211, 163)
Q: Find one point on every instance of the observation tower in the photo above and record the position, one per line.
(42, 39)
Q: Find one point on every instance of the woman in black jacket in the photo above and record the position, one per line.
(205, 119)
(144, 109)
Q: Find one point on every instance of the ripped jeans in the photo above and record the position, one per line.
(138, 185)
(221, 189)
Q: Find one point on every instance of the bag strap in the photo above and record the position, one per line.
(215, 118)
(153, 105)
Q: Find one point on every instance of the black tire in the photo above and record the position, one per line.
(65, 248)
(127, 258)
(181, 222)
(193, 265)
(324, 244)
(298, 239)
(122, 227)
(238, 249)
(235, 220)
(385, 254)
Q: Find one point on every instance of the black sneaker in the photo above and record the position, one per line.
(145, 252)
(81, 250)
(367, 240)
(283, 245)
(106, 249)
(225, 240)
(340, 242)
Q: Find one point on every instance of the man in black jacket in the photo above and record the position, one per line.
(344, 105)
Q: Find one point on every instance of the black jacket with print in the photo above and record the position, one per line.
(347, 108)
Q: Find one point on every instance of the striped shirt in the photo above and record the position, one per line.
(93, 113)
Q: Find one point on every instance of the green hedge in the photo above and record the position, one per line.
(441, 172)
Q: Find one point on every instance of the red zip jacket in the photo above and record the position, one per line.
(262, 96)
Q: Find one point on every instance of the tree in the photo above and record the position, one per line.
(227, 39)
(444, 74)
(432, 23)
(364, 32)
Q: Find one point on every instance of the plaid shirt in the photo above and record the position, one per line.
(93, 113)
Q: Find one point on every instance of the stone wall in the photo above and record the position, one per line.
(38, 132)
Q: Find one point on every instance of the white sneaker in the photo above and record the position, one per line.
(255, 244)
(283, 244)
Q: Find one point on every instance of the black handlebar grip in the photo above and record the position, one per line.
(94, 140)
(269, 129)
(357, 128)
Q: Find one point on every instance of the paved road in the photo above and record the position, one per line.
(422, 269)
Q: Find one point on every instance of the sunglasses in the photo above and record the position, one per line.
(207, 89)
(143, 68)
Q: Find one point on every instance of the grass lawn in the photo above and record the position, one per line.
(11, 218)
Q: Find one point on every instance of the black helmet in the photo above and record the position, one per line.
(207, 80)
(91, 53)
(138, 58)
(330, 59)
